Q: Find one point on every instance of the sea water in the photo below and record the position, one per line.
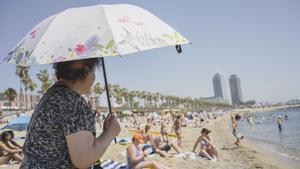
(265, 130)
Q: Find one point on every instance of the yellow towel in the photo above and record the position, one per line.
(154, 132)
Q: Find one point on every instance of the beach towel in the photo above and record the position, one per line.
(154, 132)
(189, 155)
(109, 164)
(123, 140)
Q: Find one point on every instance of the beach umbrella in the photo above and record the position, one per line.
(94, 31)
(19, 124)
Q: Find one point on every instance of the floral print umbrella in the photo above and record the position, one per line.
(93, 31)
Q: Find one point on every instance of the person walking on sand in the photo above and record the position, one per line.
(235, 129)
(279, 122)
(207, 148)
(177, 129)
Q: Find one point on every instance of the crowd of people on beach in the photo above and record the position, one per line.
(159, 133)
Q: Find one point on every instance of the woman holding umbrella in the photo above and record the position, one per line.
(61, 133)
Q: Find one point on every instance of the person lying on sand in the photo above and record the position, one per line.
(136, 157)
(162, 147)
(207, 149)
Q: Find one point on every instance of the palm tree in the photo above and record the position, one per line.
(28, 84)
(31, 86)
(21, 72)
(10, 94)
(44, 77)
(98, 89)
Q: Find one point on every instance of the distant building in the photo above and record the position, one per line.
(19, 102)
(219, 86)
(235, 90)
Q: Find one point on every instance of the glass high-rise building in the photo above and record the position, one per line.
(219, 86)
(235, 90)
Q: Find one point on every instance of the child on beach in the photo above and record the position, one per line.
(207, 149)
(235, 129)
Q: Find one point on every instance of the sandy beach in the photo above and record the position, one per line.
(248, 156)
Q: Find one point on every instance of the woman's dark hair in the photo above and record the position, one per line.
(12, 134)
(237, 117)
(65, 70)
(205, 131)
(4, 135)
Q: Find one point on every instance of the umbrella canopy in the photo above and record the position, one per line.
(93, 31)
(19, 124)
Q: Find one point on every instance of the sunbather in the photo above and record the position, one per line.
(136, 157)
(207, 149)
(8, 151)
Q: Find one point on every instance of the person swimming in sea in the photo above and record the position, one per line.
(279, 123)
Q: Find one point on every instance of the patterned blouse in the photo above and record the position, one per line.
(60, 112)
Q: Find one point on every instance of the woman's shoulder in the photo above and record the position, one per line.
(63, 93)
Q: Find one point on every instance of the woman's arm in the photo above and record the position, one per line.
(16, 144)
(196, 144)
(132, 154)
(3, 147)
(11, 145)
(85, 149)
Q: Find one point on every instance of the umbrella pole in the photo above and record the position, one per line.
(106, 88)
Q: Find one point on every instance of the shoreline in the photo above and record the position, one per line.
(267, 109)
(251, 151)
(271, 149)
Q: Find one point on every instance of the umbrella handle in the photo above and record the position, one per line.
(106, 85)
(107, 89)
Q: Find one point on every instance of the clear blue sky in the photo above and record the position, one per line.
(257, 39)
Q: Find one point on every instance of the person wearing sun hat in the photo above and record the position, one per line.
(136, 157)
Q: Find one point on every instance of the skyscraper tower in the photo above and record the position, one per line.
(219, 86)
(235, 90)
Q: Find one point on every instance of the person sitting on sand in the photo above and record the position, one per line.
(207, 149)
(235, 129)
(8, 151)
(147, 136)
(136, 157)
(12, 136)
(177, 129)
